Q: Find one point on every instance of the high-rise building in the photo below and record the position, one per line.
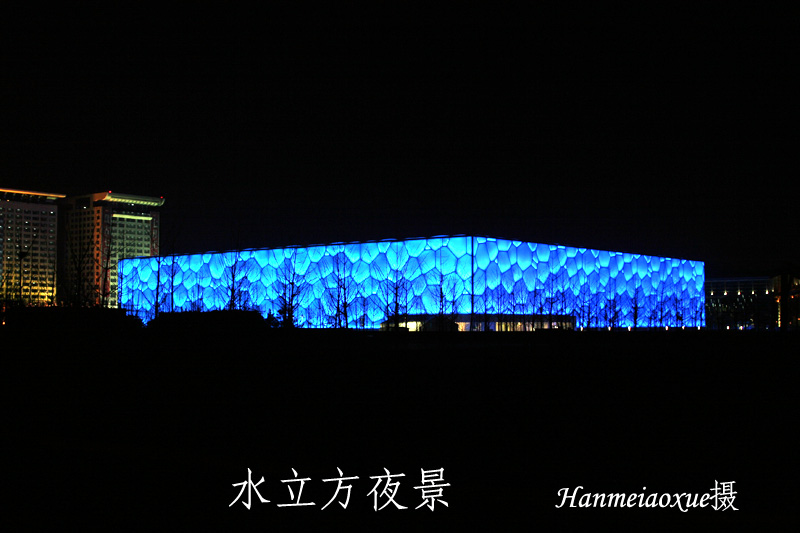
(28, 237)
(97, 231)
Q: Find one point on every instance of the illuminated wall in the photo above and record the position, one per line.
(370, 281)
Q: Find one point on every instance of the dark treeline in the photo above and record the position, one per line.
(172, 415)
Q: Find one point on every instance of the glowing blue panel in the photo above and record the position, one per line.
(492, 276)
(464, 267)
(482, 257)
(524, 256)
(491, 249)
(479, 282)
(427, 261)
(571, 266)
(418, 286)
(459, 246)
(411, 269)
(360, 272)
(447, 261)
(529, 277)
(502, 273)
(542, 252)
(503, 261)
(516, 272)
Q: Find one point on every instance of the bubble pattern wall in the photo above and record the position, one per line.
(362, 284)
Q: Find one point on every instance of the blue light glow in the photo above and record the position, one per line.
(467, 275)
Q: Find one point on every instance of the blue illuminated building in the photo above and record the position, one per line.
(476, 282)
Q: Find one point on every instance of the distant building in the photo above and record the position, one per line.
(741, 303)
(480, 322)
(97, 231)
(787, 287)
(28, 241)
(510, 284)
(753, 303)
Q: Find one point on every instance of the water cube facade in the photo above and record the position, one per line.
(363, 284)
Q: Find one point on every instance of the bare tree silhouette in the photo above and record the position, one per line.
(341, 296)
(291, 287)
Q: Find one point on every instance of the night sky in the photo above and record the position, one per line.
(653, 132)
(659, 131)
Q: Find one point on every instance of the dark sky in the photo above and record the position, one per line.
(655, 132)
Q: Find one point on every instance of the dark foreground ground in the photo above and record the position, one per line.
(140, 429)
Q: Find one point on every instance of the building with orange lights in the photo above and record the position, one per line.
(28, 241)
